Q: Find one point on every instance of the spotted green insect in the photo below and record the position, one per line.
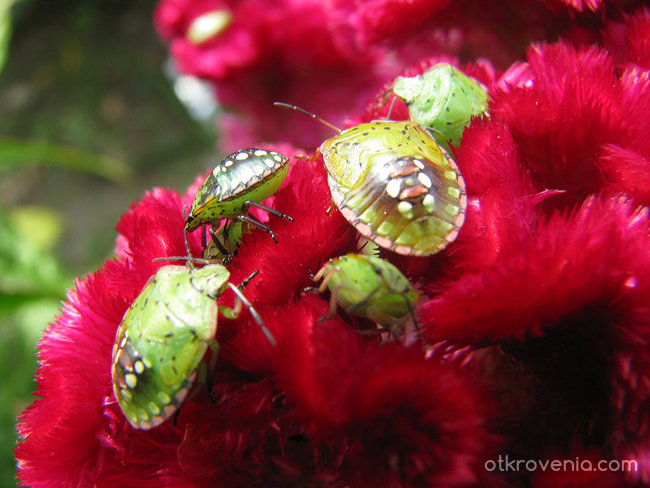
(164, 336)
(367, 286)
(396, 186)
(443, 99)
(239, 182)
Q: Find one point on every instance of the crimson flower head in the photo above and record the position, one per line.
(534, 322)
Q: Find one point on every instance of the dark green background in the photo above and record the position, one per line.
(87, 75)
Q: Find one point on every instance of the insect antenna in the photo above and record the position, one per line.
(390, 109)
(189, 258)
(308, 114)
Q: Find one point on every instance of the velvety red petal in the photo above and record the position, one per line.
(561, 152)
(625, 171)
(567, 264)
(630, 40)
(407, 421)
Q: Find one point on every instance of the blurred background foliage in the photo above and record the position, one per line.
(89, 122)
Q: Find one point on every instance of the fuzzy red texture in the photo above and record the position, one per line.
(570, 263)
(407, 421)
(629, 40)
(561, 151)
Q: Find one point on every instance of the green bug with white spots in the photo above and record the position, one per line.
(164, 336)
(443, 99)
(395, 185)
(239, 182)
(370, 287)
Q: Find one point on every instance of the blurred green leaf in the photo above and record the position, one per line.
(5, 29)
(48, 221)
(16, 152)
(25, 269)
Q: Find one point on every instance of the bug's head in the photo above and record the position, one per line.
(211, 280)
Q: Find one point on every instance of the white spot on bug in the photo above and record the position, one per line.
(453, 192)
(126, 394)
(418, 163)
(139, 367)
(131, 380)
(217, 169)
(241, 156)
(228, 163)
(429, 202)
(164, 397)
(260, 152)
(277, 157)
(406, 209)
(270, 163)
(424, 179)
(393, 188)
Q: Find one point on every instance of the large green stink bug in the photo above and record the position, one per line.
(368, 286)
(395, 185)
(240, 181)
(443, 99)
(398, 187)
(164, 336)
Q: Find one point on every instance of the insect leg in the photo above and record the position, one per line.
(245, 283)
(256, 223)
(363, 301)
(234, 312)
(415, 319)
(334, 302)
(272, 211)
(218, 243)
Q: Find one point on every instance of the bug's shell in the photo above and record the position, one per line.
(368, 286)
(249, 174)
(443, 99)
(162, 339)
(396, 186)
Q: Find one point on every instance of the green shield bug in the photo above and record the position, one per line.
(368, 286)
(164, 336)
(395, 185)
(239, 182)
(443, 99)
